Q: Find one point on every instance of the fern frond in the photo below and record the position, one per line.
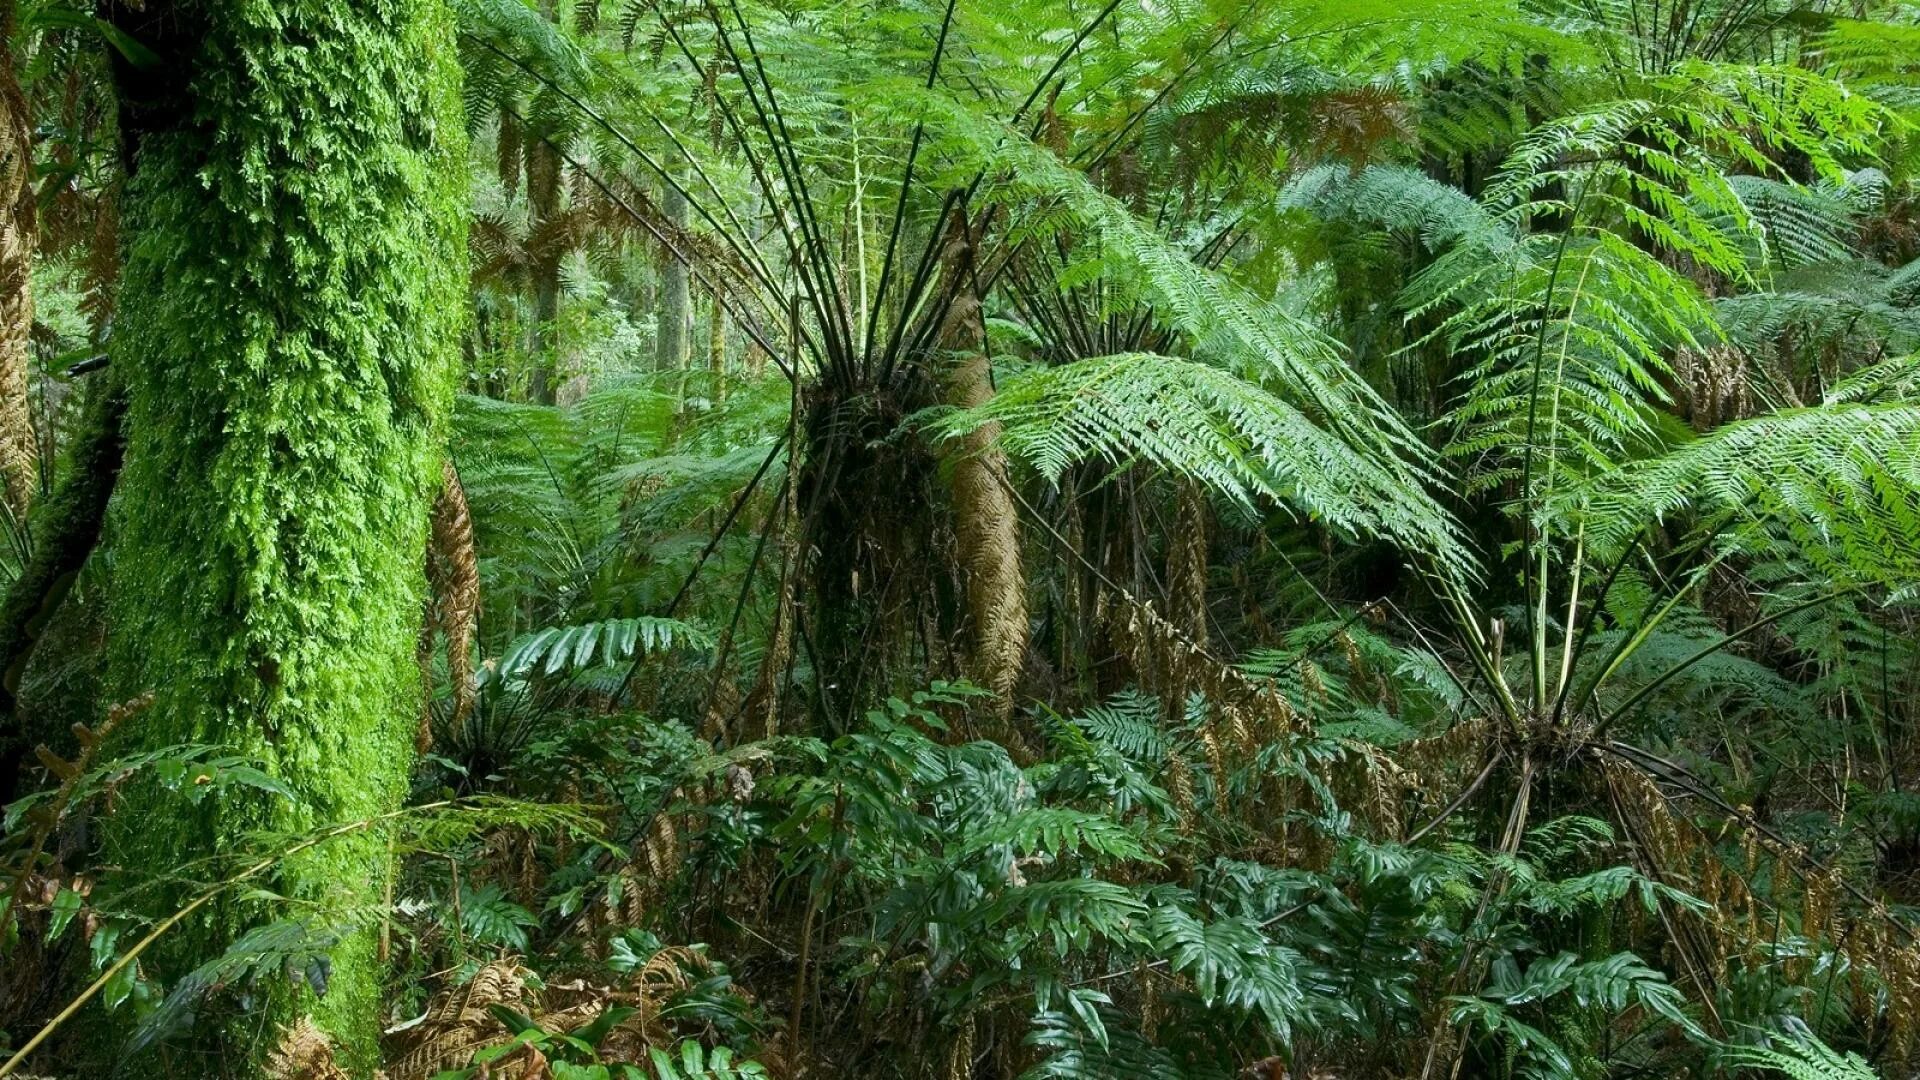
(575, 648)
(1841, 482)
(1806, 1058)
(1213, 427)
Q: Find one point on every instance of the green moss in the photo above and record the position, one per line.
(288, 330)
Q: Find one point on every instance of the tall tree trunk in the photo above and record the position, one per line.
(19, 449)
(288, 332)
(543, 206)
(1187, 565)
(676, 301)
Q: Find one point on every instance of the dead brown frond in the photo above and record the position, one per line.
(1245, 714)
(1737, 927)
(462, 1020)
(1353, 124)
(1169, 662)
(960, 1053)
(304, 1052)
(46, 815)
(497, 248)
(453, 606)
(459, 1021)
(643, 881)
(1713, 385)
(514, 859)
(1180, 786)
(648, 991)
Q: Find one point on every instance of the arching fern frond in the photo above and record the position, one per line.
(1400, 199)
(1806, 225)
(1804, 1059)
(1574, 313)
(1840, 482)
(1224, 322)
(1215, 428)
(573, 648)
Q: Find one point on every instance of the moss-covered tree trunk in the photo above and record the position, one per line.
(288, 331)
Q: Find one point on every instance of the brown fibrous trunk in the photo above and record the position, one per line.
(987, 527)
(19, 449)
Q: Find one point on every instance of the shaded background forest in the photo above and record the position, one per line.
(1040, 538)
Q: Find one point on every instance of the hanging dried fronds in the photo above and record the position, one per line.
(648, 991)
(47, 815)
(463, 1020)
(453, 604)
(1168, 660)
(960, 1053)
(1713, 385)
(1741, 927)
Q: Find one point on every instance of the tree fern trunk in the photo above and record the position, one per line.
(986, 522)
(288, 331)
(19, 449)
(987, 526)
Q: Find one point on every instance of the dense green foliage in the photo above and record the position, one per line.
(997, 538)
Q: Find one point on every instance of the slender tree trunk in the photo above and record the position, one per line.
(717, 349)
(543, 205)
(65, 533)
(676, 301)
(1186, 588)
(543, 200)
(1187, 565)
(717, 321)
(19, 449)
(288, 332)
